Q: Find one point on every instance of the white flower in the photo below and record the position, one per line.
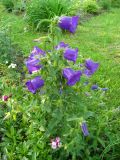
(12, 65)
(6, 62)
(53, 145)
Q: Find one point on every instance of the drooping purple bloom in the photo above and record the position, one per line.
(33, 62)
(91, 67)
(104, 89)
(35, 84)
(94, 87)
(37, 51)
(61, 45)
(84, 129)
(33, 65)
(71, 54)
(72, 76)
(69, 23)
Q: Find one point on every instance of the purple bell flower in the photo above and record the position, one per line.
(104, 89)
(72, 76)
(33, 62)
(84, 129)
(91, 67)
(69, 23)
(94, 87)
(71, 54)
(61, 45)
(37, 51)
(33, 65)
(34, 84)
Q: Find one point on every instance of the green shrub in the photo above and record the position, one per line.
(14, 5)
(9, 4)
(90, 6)
(105, 4)
(115, 3)
(20, 6)
(41, 11)
(10, 53)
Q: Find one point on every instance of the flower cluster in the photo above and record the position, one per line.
(40, 60)
(70, 54)
(72, 76)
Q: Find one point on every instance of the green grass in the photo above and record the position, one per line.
(98, 39)
(17, 25)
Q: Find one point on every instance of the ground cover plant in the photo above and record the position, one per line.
(65, 118)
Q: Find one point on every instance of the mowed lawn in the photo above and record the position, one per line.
(98, 39)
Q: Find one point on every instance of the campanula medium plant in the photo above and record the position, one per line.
(55, 82)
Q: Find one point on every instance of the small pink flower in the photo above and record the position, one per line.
(55, 143)
(5, 98)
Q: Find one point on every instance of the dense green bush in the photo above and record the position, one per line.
(15, 5)
(105, 4)
(115, 3)
(41, 11)
(90, 6)
(9, 4)
(9, 52)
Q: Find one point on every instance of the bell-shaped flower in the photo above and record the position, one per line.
(61, 45)
(91, 67)
(69, 23)
(37, 52)
(72, 76)
(71, 54)
(94, 87)
(84, 129)
(33, 62)
(35, 84)
(104, 89)
(33, 65)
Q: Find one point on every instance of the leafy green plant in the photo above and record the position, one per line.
(105, 4)
(17, 6)
(33, 120)
(9, 51)
(9, 4)
(115, 3)
(20, 7)
(90, 6)
(39, 12)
